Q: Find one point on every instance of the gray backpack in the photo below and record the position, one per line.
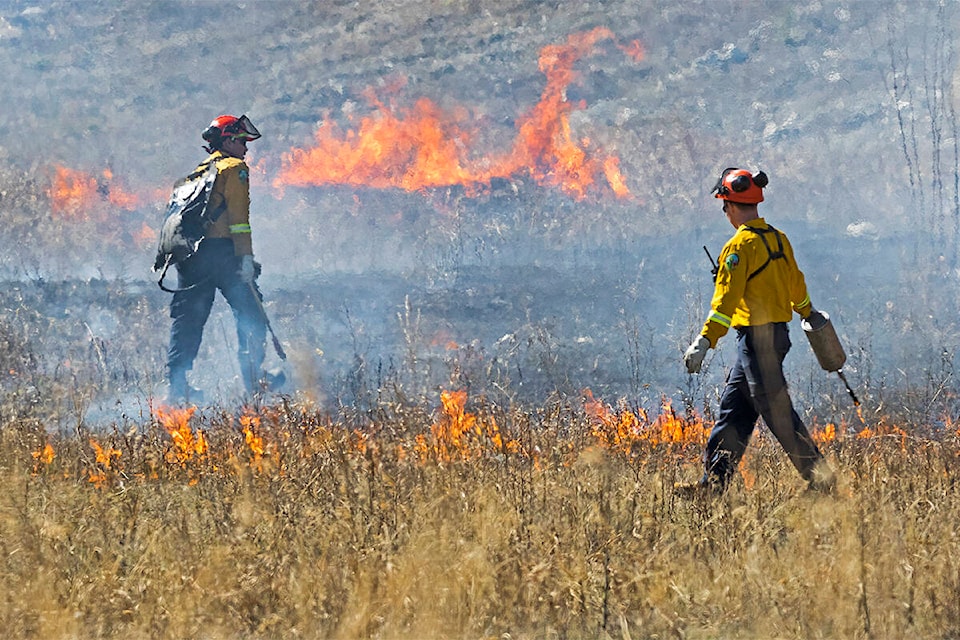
(186, 220)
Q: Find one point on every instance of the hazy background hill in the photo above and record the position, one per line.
(848, 106)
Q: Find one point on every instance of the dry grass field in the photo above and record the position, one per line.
(468, 521)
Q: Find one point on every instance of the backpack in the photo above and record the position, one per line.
(186, 220)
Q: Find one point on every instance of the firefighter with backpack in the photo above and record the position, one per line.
(758, 288)
(216, 256)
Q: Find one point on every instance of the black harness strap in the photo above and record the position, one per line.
(771, 255)
(202, 169)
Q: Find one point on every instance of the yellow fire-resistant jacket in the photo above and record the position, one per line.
(772, 293)
(233, 188)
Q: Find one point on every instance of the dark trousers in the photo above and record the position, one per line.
(756, 387)
(215, 267)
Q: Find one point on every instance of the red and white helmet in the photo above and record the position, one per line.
(227, 127)
(738, 185)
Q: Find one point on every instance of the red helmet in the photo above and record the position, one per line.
(737, 185)
(229, 127)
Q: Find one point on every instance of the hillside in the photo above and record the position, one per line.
(125, 85)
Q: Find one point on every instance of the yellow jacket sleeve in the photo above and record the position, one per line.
(799, 297)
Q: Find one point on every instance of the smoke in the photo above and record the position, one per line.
(517, 196)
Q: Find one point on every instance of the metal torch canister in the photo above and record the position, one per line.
(824, 341)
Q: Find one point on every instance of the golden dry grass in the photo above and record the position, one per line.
(288, 524)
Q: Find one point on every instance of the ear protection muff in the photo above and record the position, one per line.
(741, 186)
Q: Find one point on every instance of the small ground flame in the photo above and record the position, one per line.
(624, 429)
(43, 456)
(447, 440)
(460, 435)
(104, 456)
(827, 434)
(250, 425)
(187, 444)
(102, 473)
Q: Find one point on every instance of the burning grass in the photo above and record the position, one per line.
(467, 520)
(424, 147)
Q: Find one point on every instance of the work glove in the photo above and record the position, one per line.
(247, 270)
(693, 356)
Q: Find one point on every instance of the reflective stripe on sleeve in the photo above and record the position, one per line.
(240, 228)
(719, 318)
(805, 302)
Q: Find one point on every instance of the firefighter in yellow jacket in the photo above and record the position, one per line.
(758, 288)
(223, 261)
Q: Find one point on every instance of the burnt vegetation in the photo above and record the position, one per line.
(487, 410)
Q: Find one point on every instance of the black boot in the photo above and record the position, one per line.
(266, 381)
(703, 488)
(274, 379)
(179, 392)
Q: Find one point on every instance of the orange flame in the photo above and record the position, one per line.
(250, 425)
(427, 147)
(186, 444)
(116, 195)
(830, 432)
(825, 435)
(459, 435)
(749, 479)
(634, 50)
(104, 455)
(361, 441)
(448, 432)
(73, 193)
(98, 477)
(146, 236)
(44, 454)
(78, 196)
(611, 169)
(625, 429)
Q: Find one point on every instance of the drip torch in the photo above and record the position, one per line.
(826, 346)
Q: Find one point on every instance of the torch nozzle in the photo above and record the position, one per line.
(856, 401)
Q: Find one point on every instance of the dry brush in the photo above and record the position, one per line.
(467, 520)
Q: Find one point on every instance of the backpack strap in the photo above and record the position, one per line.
(163, 274)
(211, 215)
(202, 169)
(771, 255)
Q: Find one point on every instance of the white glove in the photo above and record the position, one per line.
(693, 356)
(247, 272)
